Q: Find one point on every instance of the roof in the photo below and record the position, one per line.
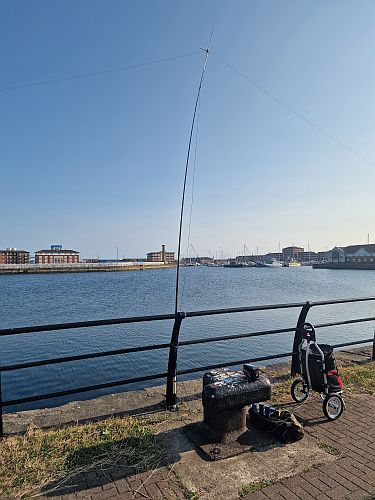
(56, 251)
(13, 251)
(353, 248)
(160, 251)
(293, 248)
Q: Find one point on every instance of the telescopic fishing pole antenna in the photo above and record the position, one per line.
(207, 50)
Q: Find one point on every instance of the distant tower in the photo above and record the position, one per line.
(163, 253)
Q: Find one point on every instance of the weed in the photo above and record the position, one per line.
(329, 449)
(252, 487)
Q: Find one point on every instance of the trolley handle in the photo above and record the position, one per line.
(308, 332)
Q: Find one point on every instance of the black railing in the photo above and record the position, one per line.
(171, 374)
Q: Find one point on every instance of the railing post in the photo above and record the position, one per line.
(373, 348)
(171, 395)
(296, 369)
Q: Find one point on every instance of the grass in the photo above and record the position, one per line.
(252, 487)
(281, 391)
(329, 449)
(360, 378)
(39, 457)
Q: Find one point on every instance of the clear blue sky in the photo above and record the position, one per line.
(97, 163)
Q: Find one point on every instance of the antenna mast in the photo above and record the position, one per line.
(186, 170)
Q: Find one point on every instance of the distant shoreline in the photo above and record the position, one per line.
(11, 269)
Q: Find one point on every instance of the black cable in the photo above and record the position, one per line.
(95, 73)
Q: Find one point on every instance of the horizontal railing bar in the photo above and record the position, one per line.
(78, 357)
(273, 306)
(59, 394)
(345, 344)
(236, 336)
(211, 312)
(340, 301)
(261, 358)
(163, 317)
(233, 363)
(30, 399)
(84, 324)
(345, 322)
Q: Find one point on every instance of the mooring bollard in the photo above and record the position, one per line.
(226, 394)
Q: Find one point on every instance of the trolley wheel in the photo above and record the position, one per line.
(299, 391)
(333, 406)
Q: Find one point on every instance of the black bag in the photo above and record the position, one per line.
(316, 367)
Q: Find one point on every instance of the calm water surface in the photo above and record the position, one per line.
(38, 299)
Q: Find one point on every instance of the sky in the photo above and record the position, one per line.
(283, 152)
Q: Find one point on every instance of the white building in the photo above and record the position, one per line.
(352, 253)
(336, 255)
(360, 253)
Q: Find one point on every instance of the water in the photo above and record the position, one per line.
(52, 298)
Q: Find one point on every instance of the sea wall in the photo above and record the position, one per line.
(81, 267)
(346, 265)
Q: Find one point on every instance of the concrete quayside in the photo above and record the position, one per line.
(334, 460)
(81, 267)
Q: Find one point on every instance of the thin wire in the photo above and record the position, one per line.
(294, 112)
(186, 171)
(192, 199)
(95, 73)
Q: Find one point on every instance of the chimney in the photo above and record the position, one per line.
(163, 253)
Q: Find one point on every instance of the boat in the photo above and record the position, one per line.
(234, 263)
(269, 263)
(292, 263)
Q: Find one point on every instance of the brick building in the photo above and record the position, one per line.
(163, 256)
(292, 253)
(56, 255)
(14, 256)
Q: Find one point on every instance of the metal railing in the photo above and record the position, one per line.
(172, 373)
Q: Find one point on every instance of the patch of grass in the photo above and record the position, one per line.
(191, 494)
(281, 391)
(329, 449)
(360, 378)
(188, 492)
(252, 487)
(39, 457)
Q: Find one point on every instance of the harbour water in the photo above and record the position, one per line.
(52, 298)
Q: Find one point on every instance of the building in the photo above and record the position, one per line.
(352, 253)
(336, 255)
(292, 253)
(14, 256)
(163, 256)
(360, 253)
(308, 256)
(56, 255)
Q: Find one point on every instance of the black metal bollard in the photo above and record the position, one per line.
(225, 397)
